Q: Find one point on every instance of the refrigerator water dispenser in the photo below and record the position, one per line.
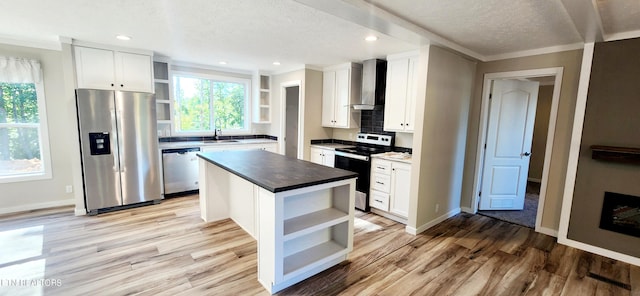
(99, 143)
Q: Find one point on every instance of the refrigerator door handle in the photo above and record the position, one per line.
(120, 148)
(115, 152)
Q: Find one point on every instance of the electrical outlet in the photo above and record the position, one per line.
(437, 207)
(68, 188)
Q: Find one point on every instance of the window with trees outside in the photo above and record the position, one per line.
(23, 133)
(205, 104)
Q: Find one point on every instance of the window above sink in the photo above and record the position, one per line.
(206, 103)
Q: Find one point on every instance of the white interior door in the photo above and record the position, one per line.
(508, 147)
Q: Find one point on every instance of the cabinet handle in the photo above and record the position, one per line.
(121, 85)
(402, 124)
(112, 84)
(378, 200)
(381, 168)
(379, 183)
(406, 124)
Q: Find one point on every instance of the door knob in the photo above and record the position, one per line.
(526, 154)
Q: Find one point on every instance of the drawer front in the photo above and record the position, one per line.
(379, 200)
(381, 182)
(381, 166)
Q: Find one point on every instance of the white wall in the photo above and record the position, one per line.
(404, 140)
(29, 195)
(442, 112)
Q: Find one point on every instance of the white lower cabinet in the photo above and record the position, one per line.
(379, 200)
(268, 147)
(271, 147)
(400, 184)
(323, 156)
(390, 183)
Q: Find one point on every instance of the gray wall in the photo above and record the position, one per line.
(612, 118)
(61, 123)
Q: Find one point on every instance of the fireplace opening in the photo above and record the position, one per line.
(621, 213)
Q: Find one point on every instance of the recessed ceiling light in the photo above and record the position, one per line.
(123, 37)
(276, 63)
(371, 38)
(222, 63)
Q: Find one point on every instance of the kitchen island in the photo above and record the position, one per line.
(300, 213)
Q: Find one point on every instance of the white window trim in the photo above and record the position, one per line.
(44, 143)
(248, 120)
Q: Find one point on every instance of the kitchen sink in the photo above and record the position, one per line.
(221, 141)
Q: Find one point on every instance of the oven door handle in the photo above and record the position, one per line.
(350, 155)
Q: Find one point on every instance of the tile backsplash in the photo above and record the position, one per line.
(372, 121)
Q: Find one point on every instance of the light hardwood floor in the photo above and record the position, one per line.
(166, 249)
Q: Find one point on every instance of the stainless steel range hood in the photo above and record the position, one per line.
(374, 82)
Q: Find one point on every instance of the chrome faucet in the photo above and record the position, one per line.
(216, 130)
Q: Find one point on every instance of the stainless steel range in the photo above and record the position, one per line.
(358, 159)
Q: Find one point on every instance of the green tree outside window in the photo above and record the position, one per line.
(205, 105)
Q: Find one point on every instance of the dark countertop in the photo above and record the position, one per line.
(275, 172)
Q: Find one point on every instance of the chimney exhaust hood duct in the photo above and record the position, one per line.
(374, 82)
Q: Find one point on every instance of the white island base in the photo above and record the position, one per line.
(300, 232)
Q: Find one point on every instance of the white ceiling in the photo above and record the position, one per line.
(252, 34)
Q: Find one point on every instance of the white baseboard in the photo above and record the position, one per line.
(534, 180)
(547, 231)
(389, 216)
(80, 212)
(600, 251)
(38, 206)
(467, 210)
(432, 223)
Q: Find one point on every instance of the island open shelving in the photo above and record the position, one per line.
(300, 213)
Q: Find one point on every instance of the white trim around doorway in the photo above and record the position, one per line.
(572, 166)
(557, 72)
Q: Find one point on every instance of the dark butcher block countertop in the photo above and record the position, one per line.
(275, 172)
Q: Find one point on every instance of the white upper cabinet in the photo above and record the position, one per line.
(113, 70)
(400, 96)
(340, 89)
(134, 72)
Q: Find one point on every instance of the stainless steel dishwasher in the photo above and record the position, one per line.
(180, 170)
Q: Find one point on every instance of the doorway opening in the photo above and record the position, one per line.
(527, 178)
(291, 118)
(291, 121)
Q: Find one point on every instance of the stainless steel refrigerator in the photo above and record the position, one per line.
(119, 147)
